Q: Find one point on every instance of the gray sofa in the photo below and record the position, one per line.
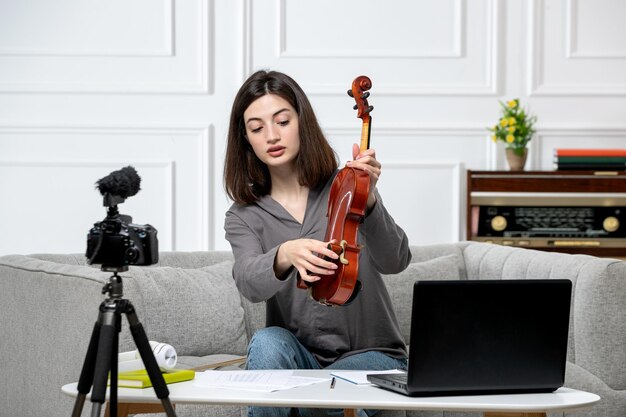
(189, 300)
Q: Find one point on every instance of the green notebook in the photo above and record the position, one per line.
(140, 379)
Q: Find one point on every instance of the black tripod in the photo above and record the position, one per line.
(102, 353)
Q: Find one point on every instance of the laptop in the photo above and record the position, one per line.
(485, 337)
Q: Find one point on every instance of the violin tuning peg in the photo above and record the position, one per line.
(370, 108)
(350, 93)
(355, 107)
(365, 95)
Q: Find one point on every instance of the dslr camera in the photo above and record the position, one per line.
(115, 242)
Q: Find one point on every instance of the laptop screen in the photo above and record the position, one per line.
(489, 335)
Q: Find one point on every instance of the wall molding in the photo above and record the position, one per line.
(492, 153)
(456, 190)
(493, 56)
(536, 84)
(571, 39)
(408, 129)
(166, 49)
(615, 133)
(166, 166)
(457, 50)
(203, 62)
(203, 135)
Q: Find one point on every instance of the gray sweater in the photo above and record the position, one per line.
(256, 231)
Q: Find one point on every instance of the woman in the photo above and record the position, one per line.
(278, 171)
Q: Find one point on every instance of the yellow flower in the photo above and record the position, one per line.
(515, 127)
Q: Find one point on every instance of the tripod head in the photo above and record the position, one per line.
(114, 288)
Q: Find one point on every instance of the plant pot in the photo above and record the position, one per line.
(516, 158)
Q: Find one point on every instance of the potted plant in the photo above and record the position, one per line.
(515, 129)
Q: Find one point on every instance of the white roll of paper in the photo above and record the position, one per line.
(164, 354)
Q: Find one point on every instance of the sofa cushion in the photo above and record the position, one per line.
(400, 285)
(198, 311)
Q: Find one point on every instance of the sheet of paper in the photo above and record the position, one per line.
(263, 381)
(360, 377)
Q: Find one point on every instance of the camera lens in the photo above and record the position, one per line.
(131, 254)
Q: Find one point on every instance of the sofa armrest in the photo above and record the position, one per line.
(597, 334)
(612, 403)
(49, 312)
(600, 321)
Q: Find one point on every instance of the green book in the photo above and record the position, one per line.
(590, 159)
(140, 379)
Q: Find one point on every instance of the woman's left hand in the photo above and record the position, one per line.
(367, 162)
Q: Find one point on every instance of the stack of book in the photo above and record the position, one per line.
(590, 159)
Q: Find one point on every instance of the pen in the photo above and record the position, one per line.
(332, 383)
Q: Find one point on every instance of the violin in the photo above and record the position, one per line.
(347, 204)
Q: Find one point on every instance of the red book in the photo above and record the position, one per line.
(590, 152)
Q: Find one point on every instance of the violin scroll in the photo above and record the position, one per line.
(359, 92)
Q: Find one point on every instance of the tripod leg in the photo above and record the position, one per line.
(147, 356)
(86, 374)
(114, 367)
(103, 362)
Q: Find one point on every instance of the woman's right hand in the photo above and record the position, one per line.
(307, 256)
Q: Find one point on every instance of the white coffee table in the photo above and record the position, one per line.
(351, 397)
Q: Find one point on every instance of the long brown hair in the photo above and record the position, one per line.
(246, 178)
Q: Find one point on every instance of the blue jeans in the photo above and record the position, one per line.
(278, 348)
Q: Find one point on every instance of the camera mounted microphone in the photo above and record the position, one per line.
(119, 185)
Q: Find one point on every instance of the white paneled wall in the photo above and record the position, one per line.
(87, 87)
(89, 46)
